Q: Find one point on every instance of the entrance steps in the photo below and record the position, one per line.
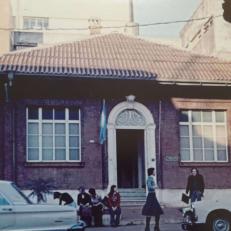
(132, 201)
(132, 197)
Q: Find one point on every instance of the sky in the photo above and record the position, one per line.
(151, 11)
(145, 11)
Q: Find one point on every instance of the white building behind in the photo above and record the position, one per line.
(211, 36)
(54, 21)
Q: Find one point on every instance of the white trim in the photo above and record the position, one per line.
(149, 137)
(201, 123)
(53, 121)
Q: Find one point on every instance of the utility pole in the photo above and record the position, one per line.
(131, 10)
(131, 27)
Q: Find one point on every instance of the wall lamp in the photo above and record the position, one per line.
(10, 78)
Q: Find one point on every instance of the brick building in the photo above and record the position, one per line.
(176, 115)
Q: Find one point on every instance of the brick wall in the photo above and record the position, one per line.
(175, 173)
(171, 172)
(65, 175)
(7, 149)
(1, 141)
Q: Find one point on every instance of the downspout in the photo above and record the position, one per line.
(159, 145)
(13, 145)
(9, 100)
(6, 92)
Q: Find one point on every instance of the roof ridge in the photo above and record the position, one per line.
(100, 55)
(54, 45)
(90, 38)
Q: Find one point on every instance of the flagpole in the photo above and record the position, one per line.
(103, 164)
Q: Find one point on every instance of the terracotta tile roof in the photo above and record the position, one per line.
(117, 56)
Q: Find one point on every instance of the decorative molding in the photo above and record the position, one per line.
(130, 115)
(55, 164)
(130, 98)
(130, 118)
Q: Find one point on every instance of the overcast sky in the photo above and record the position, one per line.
(149, 11)
(145, 11)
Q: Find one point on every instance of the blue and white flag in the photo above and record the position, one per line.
(103, 124)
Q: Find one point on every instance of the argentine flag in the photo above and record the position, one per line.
(103, 124)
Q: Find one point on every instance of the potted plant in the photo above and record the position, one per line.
(40, 188)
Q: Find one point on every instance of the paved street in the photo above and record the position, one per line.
(163, 227)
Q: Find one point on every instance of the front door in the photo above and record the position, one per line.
(130, 158)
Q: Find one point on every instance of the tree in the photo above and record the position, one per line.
(227, 10)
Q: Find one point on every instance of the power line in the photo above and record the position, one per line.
(117, 27)
(180, 21)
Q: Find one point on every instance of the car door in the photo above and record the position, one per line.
(44, 217)
(7, 215)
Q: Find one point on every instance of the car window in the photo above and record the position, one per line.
(3, 201)
(21, 194)
(15, 195)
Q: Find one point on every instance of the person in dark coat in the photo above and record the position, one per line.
(151, 206)
(114, 206)
(96, 207)
(84, 203)
(64, 197)
(195, 185)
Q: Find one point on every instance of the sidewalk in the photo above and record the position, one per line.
(170, 216)
(132, 216)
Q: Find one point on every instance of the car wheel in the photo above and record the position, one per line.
(219, 223)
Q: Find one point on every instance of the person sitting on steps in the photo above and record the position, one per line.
(114, 206)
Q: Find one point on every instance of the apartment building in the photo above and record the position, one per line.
(210, 36)
(36, 23)
(5, 26)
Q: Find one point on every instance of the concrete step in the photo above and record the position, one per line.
(132, 197)
(132, 190)
(132, 193)
(132, 203)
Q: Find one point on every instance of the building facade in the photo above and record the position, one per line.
(166, 108)
(210, 36)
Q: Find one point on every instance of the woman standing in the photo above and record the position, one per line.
(152, 206)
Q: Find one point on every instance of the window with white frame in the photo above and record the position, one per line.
(53, 134)
(203, 136)
(38, 23)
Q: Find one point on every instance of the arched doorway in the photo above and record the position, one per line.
(131, 129)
